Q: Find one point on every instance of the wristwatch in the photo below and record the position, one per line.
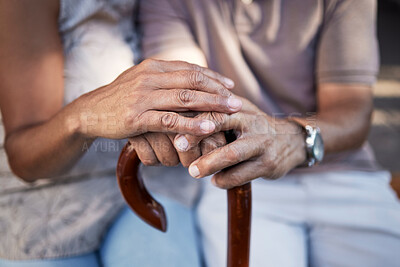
(313, 141)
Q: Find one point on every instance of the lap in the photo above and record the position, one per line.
(347, 218)
(348, 247)
(354, 219)
(131, 242)
(273, 242)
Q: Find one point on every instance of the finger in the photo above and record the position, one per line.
(144, 151)
(187, 79)
(170, 122)
(186, 158)
(171, 66)
(237, 175)
(222, 121)
(212, 142)
(186, 99)
(163, 148)
(224, 157)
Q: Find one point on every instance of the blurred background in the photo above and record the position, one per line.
(385, 133)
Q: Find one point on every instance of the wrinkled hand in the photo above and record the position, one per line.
(147, 97)
(265, 147)
(157, 148)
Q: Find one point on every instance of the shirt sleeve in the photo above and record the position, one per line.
(348, 47)
(164, 26)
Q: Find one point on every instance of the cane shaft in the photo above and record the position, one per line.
(239, 225)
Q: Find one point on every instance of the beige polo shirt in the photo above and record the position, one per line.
(276, 51)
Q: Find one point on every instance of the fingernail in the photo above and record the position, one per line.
(234, 103)
(228, 82)
(181, 143)
(213, 181)
(207, 126)
(194, 171)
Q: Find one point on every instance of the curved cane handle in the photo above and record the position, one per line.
(135, 193)
(152, 212)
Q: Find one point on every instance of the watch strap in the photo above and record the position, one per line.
(310, 161)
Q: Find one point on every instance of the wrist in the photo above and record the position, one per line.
(76, 120)
(313, 143)
(296, 139)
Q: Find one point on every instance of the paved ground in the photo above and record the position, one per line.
(385, 133)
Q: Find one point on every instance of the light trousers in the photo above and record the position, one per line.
(347, 218)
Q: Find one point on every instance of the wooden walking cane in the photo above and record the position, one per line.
(152, 212)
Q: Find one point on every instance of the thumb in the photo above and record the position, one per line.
(222, 121)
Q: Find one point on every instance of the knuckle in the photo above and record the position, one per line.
(197, 79)
(217, 117)
(137, 81)
(169, 120)
(209, 146)
(146, 79)
(142, 80)
(195, 67)
(220, 143)
(148, 63)
(212, 140)
(270, 164)
(210, 143)
(190, 125)
(185, 96)
(220, 139)
(273, 165)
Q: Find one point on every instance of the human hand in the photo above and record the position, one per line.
(157, 149)
(143, 98)
(265, 147)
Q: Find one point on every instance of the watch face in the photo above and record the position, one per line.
(318, 149)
